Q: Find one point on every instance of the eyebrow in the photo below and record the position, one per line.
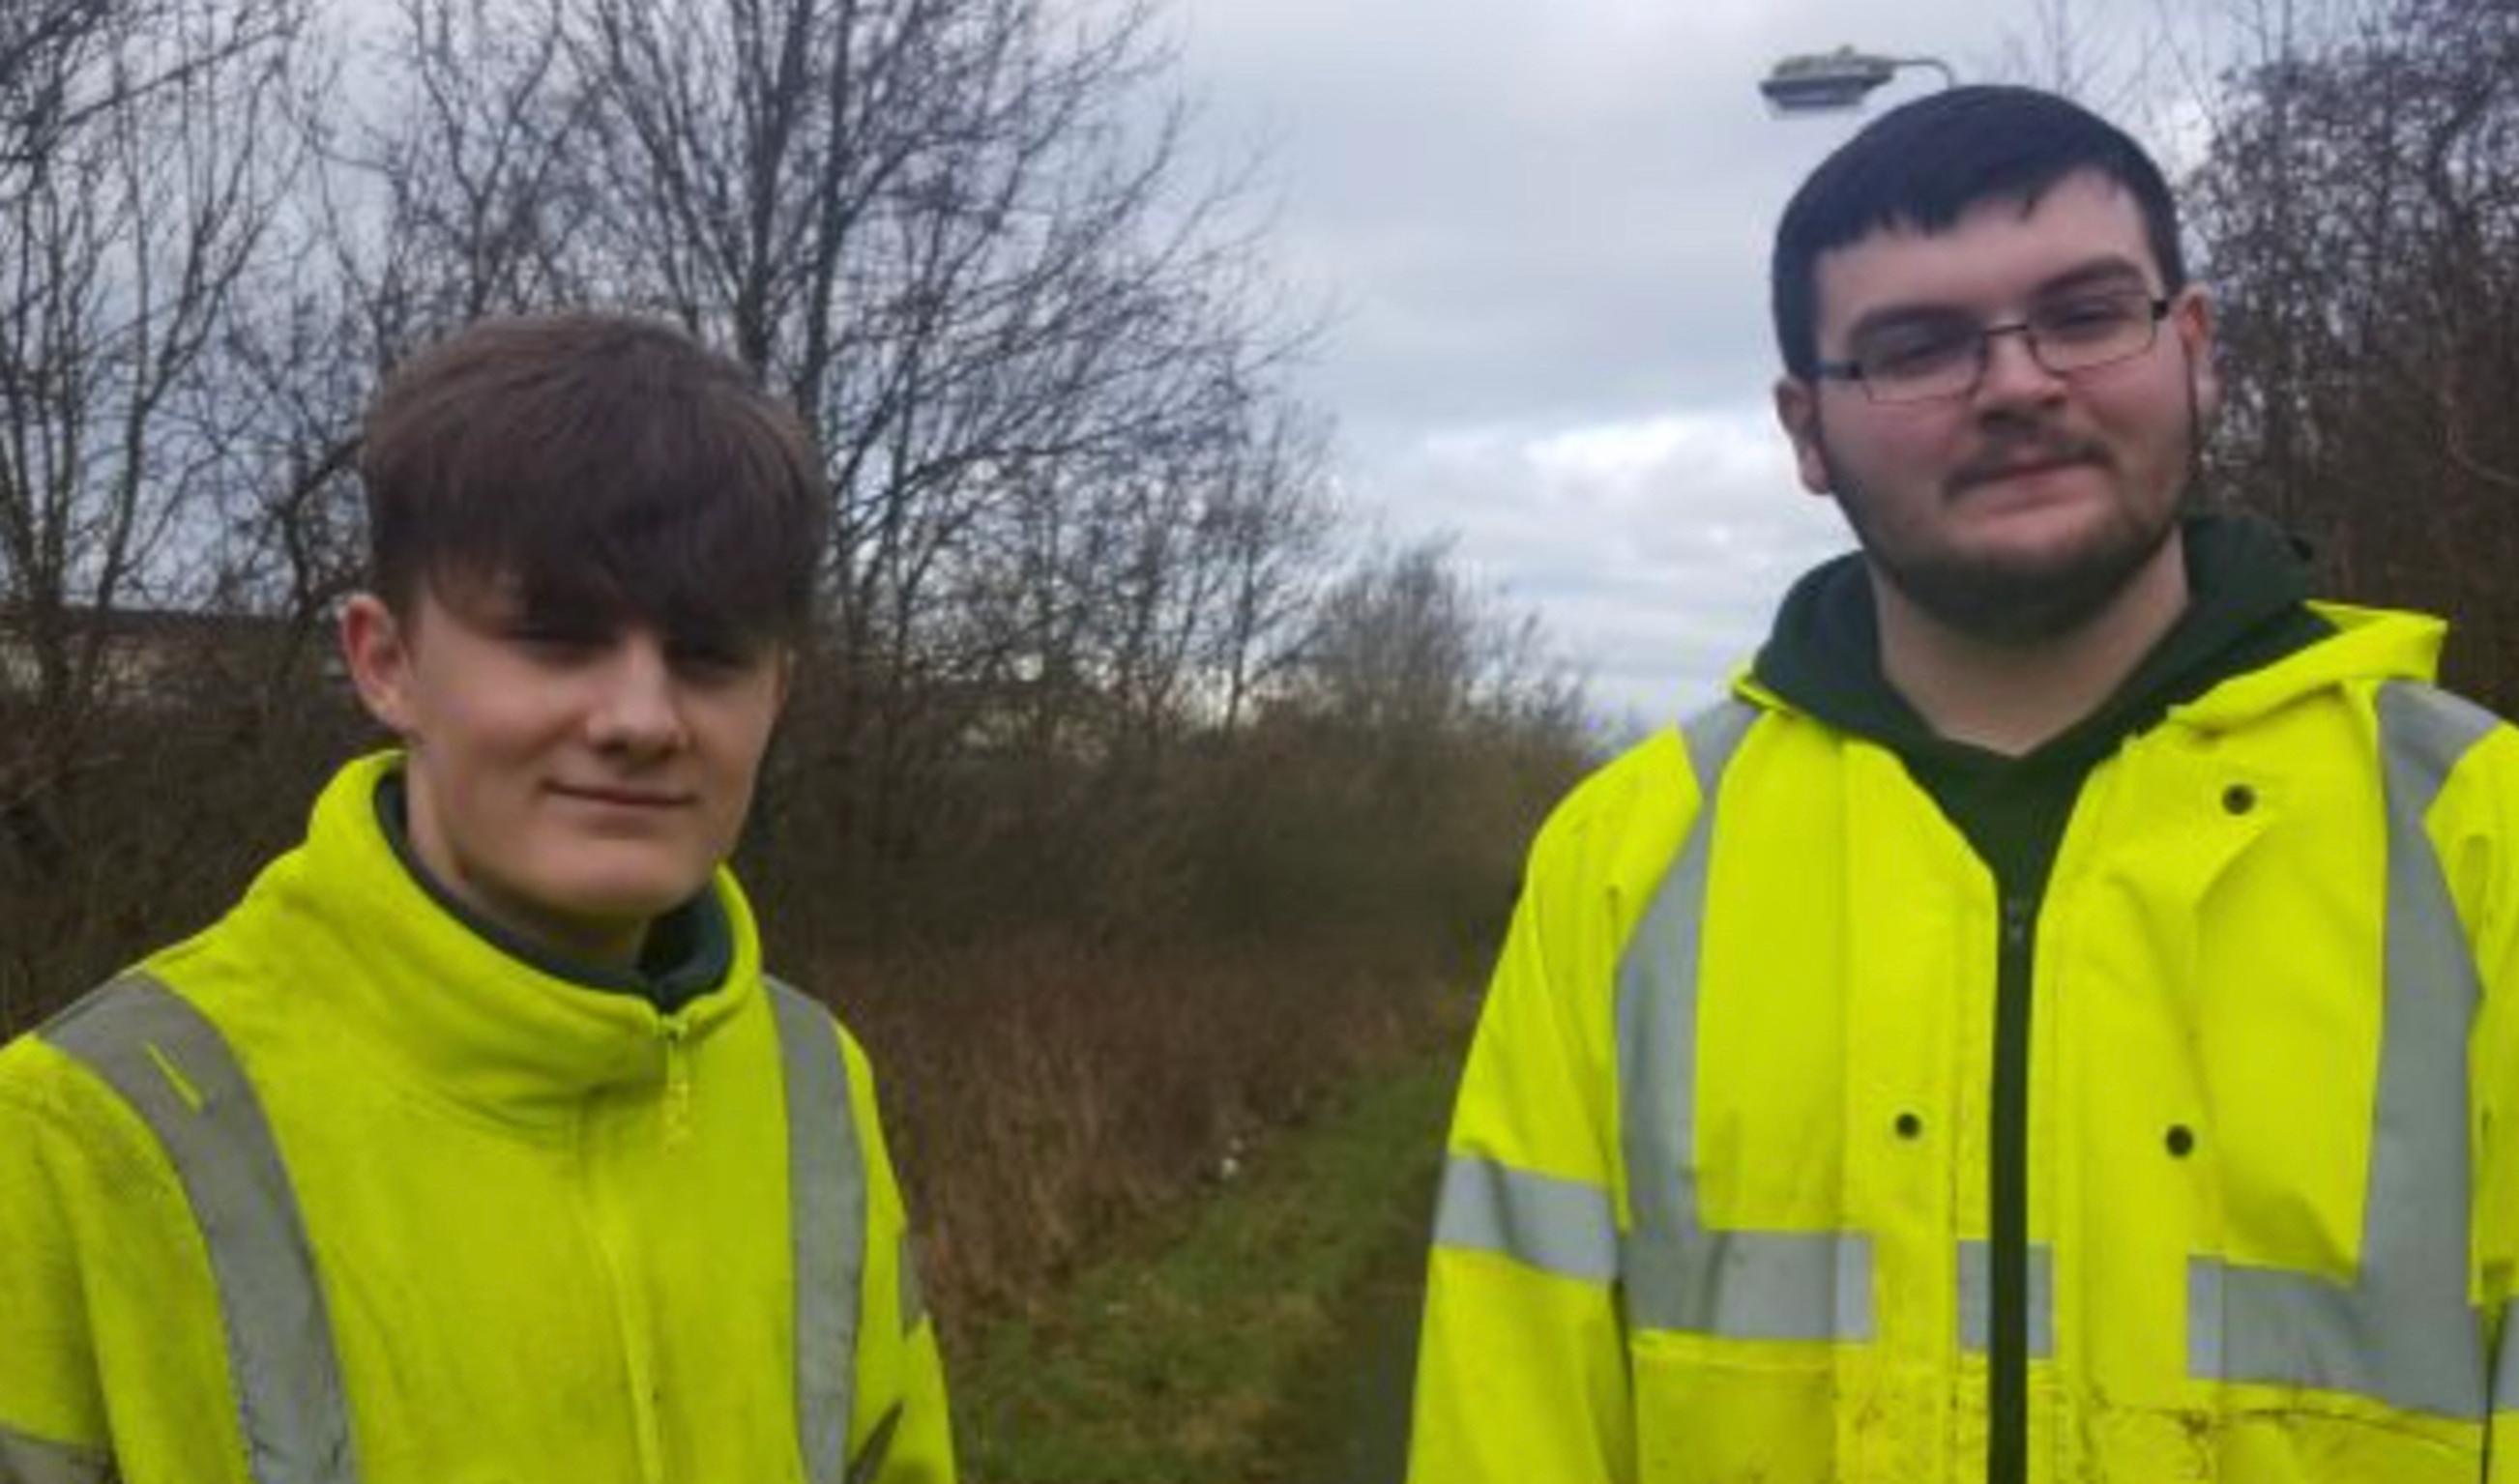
(2109, 271)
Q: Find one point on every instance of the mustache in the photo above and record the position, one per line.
(2004, 454)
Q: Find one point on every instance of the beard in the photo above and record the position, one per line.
(2009, 599)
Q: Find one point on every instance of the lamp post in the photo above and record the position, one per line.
(1821, 83)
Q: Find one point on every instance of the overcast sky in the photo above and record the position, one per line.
(1540, 230)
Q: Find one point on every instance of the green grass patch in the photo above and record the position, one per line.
(1223, 1345)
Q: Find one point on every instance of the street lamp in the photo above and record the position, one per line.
(1820, 82)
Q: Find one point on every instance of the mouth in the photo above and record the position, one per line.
(618, 797)
(2004, 470)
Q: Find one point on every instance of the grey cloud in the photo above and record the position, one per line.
(1655, 550)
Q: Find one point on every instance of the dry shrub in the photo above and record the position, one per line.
(1088, 1010)
(1040, 1094)
(151, 823)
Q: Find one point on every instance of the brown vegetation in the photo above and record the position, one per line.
(1093, 979)
(2359, 214)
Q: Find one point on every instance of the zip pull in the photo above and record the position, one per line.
(2015, 921)
(677, 1081)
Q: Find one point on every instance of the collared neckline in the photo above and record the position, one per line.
(687, 951)
(503, 1033)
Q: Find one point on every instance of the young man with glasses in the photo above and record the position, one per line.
(2055, 1020)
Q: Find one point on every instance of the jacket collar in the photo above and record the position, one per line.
(687, 951)
(2369, 645)
(474, 1019)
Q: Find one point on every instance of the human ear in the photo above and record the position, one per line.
(2191, 319)
(377, 654)
(784, 682)
(1798, 410)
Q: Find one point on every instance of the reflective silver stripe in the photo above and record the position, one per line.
(25, 1459)
(1676, 1273)
(2204, 1318)
(2505, 1370)
(175, 1070)
(914, 1298)
(1752, 1285)
(1976, 1297)
(1558, 1226)
(2403, 1332)
(827, 1198)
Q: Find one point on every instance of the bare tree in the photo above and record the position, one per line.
(951, 231)
(1158, 589)
(65, 64)
(1406, 648)
(141, 169)
(1080, 525)
(136, 226)
(2064, 49)
(2360, 210)
(445, 187)
(1271, 528)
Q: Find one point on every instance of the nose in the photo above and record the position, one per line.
(2013, 373)
(635, 709)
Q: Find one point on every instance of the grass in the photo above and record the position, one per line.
(1245, 1339)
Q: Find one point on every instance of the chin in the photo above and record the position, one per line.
(2048, 529)
(622, 895)
(2019, 594)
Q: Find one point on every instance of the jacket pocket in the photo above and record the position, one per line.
(2313, 1442)
(1725, 1412)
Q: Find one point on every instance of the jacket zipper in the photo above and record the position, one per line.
(676, 1035)
(2007, 1446)
(631, 1321)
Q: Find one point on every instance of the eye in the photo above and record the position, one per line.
(693, 658)
(2092, 317)
(711, 659)
(1908, 350)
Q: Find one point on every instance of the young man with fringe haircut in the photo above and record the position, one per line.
(474, 1143)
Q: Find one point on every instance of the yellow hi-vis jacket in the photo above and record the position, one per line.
(1714, 1210)
(337, 1191)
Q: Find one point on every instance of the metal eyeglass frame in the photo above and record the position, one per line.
(2027, 329)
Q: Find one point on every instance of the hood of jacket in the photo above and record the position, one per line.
(2249, 641)
(342, 930)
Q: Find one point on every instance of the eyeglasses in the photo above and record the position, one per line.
(1927, 358)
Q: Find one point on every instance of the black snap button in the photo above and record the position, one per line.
(2182, 1140)
(2239, 799)
(1909, 1125)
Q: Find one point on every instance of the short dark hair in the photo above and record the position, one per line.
(604, 465)
(1922, 164)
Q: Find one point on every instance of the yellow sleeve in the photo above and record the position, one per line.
(112, 1360)
(1522, 1369)
(899, 1430)
(2475, 826)
(52, 1409)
